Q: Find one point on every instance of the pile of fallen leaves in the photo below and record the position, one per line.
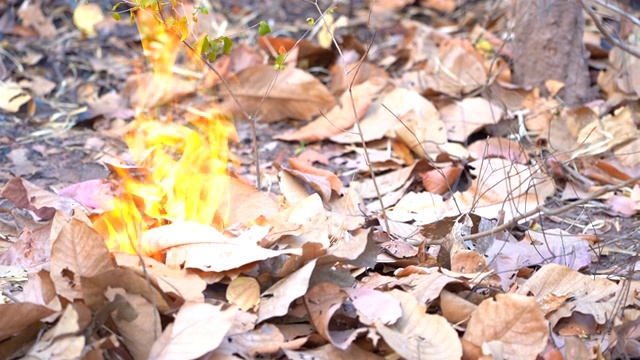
(435, 210)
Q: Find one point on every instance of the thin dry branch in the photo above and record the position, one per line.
(543, 209)
(626, 47)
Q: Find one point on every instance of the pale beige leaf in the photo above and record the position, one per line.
(79, 251)
(340, 118)
(469, 115)
(456, 309)
(267, 339)
(386, 183)
(330, 352)
(12, 97)
(86, 16)
(503, 185)
(137, 320)
(593, 296)
(423, 135)
(244, 292)
(292, 93)
(275, 300)
(379, 120)
(418, 335)
(61, 341)
(197, 329)
(514, 320)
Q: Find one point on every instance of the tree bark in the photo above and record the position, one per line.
(548, 45)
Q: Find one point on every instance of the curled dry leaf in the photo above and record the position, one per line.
(27, 195)
(18, 316)
(291, 93)
(465, 117)
(333, 179)
(339, 119)
(244, 292)
(323, 301)
(514, 322)
(197, 329)
(275, 300)
(596, 297)
(418, 335)
(78, 251)
(62, 341)
(137, 320)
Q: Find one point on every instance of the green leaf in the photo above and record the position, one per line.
(116, 16)
(203, 45)
(264, 28)
(228, 43)
(204, 10)
(310, 21)
(279, 62)
(212, 56)
(116, 6)
(132, 17)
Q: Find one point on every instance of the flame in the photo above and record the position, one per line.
(183, 175)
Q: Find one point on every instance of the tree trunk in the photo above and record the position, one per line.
(548, 45)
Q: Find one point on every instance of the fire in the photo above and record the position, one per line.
(184, 173)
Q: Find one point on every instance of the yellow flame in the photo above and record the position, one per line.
(184, 173)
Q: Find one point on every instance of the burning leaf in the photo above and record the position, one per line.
(418, 335)
(77, 252)
(197, 329)
(292, 93)
(244, 292)
(275, 300)
(138, 322)
(514, 323)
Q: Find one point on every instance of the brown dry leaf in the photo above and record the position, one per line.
(275, 300)
(248, 203)
(356, 74)
(465, 117)
(444, 6)
(458, 69)
(267, 339)
(309, 54)
(322, 302)
(244, 292)
(95, 195)
(197, 329)
(423, 208)
(618, 81)
(242, 56)
(340, 118)
(500, 147)
(292, 93)
(205, 248)
(512, 322)
(308, 219)
(27, 195)
(31, 15)
(421, 43)
(386, 183)
(330, 352)
(18, 316)
(503, 185)
(389, 5)
(423, 135)
(441, 181)
(31, 251)
(61, 341)
(95, 287)
(378, 120)
(180, 283)
(12, 97)
(595, 297)
(456, 309)
(418, 335)
(137, 320)
(333, 179)
(78, 251)
(425, 287)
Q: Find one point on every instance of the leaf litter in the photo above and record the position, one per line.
(506, 226)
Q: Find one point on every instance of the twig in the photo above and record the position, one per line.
(547, 211)
(607, 35)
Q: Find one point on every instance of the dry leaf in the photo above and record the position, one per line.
(418, 335)
(12, 97)
(244, 292)
(31, 15)
(18, 316)
(61, 341)
(329, 351)
(340, 118)
(333, 179)
(373, 305)
(275, 300)
(86, 16)
(514, 321)
(197, 329)
(78, 251)
(278, 95)
(465, 117)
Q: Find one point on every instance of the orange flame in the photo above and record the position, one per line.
(184, 175)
